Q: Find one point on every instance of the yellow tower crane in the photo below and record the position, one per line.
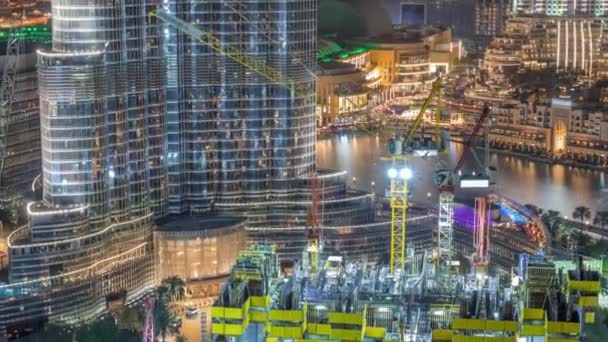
(399, 174)
(236, 55)
(314, 233)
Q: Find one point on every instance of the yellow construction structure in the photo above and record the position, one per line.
(236, 55)
(398, 202)
(399, 188)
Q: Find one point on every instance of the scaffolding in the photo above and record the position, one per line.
(398, 204)
(444, 232)
(481, 233)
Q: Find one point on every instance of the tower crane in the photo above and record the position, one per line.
(400, 150)
(148, 333)
(313, 231)
(446, 180)
(234, 54)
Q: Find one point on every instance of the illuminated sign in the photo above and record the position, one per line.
(475, 183)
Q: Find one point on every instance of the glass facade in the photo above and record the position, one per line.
(233, 135)
(101, 90)
(196, 254)
(22, 160)
(596, 8)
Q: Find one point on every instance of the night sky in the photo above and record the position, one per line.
(373, 17)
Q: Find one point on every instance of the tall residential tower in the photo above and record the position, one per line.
(102, 139)
(233, 135)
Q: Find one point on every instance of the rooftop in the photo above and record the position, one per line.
(336, 68)
(36, 33)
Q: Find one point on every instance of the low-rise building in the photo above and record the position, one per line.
(342, 96)
(369, 70)
(410, 58)
(573, 43)
(194, 249)
(560, 127)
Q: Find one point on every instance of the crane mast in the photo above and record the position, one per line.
(148, 333)
(399, 188)
(481, 233)
(313, 229)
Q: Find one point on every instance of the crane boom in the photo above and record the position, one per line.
(236, 55)
(469, 143)
(435, 90)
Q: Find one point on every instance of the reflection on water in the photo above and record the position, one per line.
(549, 186)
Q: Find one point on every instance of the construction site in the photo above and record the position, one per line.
(445, 272)
(437, 289)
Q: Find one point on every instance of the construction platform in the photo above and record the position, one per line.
(359, 302)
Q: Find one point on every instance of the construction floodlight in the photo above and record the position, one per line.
(405, 173)
(392, 173)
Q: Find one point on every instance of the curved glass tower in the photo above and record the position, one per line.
(233, 135)
(102, 107)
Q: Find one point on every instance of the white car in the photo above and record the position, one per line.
(191, 312)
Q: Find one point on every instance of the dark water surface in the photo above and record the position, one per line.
(555, 187)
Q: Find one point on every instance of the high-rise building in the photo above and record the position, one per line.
(22, 159)
(233, 135)
(21, 164)
(454, 14)
(490, 18)
(413, 12)
(102, 110)
(596, 8)
(566, 43)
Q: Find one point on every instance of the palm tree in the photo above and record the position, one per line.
(534, 209)
(176, 288)
(166, 323)
(601, 218)
(581, 213)
(581, 241)
(131, 319)
(162, 293)
(553, 220)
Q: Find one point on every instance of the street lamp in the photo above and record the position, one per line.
(405, 173)
(392, 173)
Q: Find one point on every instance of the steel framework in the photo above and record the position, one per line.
(444, 232)
(148, 333)
(236, 55)
(481, 233)
(398, 203)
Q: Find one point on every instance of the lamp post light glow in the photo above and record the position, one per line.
(405, 173)
(392, 173)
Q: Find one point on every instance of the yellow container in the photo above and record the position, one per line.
(373, 332)
(533, 330)
(346, 318)
(286, 315)
(442, 335)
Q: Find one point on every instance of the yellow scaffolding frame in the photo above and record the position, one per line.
(398, 203)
